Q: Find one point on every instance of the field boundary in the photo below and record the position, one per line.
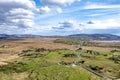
(96, 73)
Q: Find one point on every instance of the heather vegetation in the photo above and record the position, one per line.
(34, 63)
(88, 42)
(45, 64)
(84, 42)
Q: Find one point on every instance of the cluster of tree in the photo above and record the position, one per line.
(70, 55)
(115, 51)
(115, 56)
(96, 68)
(33, 53)
(65, 63)
(66, 41)
(92, 52)
(75, 42)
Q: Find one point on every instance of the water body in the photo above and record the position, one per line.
(109, 41)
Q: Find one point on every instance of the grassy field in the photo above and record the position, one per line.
(45, 65)
(103, 64)
(42, 59)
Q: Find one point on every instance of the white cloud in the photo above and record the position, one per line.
(58, 10)
(104, 24)
(72, 25)
(17, 3)
(56, 5)
(16, 15)
(20, 13)
(100, 6)
(58, 2)
(68, 25)
(44, 9)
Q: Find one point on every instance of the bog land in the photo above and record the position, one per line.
(53, 59)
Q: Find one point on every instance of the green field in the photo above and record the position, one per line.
(56, 64)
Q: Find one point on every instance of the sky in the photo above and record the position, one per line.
(59, 17)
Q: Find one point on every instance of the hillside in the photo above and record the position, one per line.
(96, 36)
(4, 36)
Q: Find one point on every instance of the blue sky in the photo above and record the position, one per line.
(59, 17)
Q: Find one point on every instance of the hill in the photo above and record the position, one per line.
(4, 36)
(73, 36)
(96, 36)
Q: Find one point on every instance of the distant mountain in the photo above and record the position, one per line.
(4, 36)
(75, 36)
(96, 36)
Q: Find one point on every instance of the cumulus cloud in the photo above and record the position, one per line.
(58, 2)
(16, 4)
(92, 25)
(16, 14)
(57, 5)
(44, 9)
(58, 10)
(68, 25)
(103, 24)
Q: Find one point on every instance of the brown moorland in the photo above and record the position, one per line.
(9, 48)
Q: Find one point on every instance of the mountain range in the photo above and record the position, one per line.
(3, 36)
(96, 36)
(77, 36)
